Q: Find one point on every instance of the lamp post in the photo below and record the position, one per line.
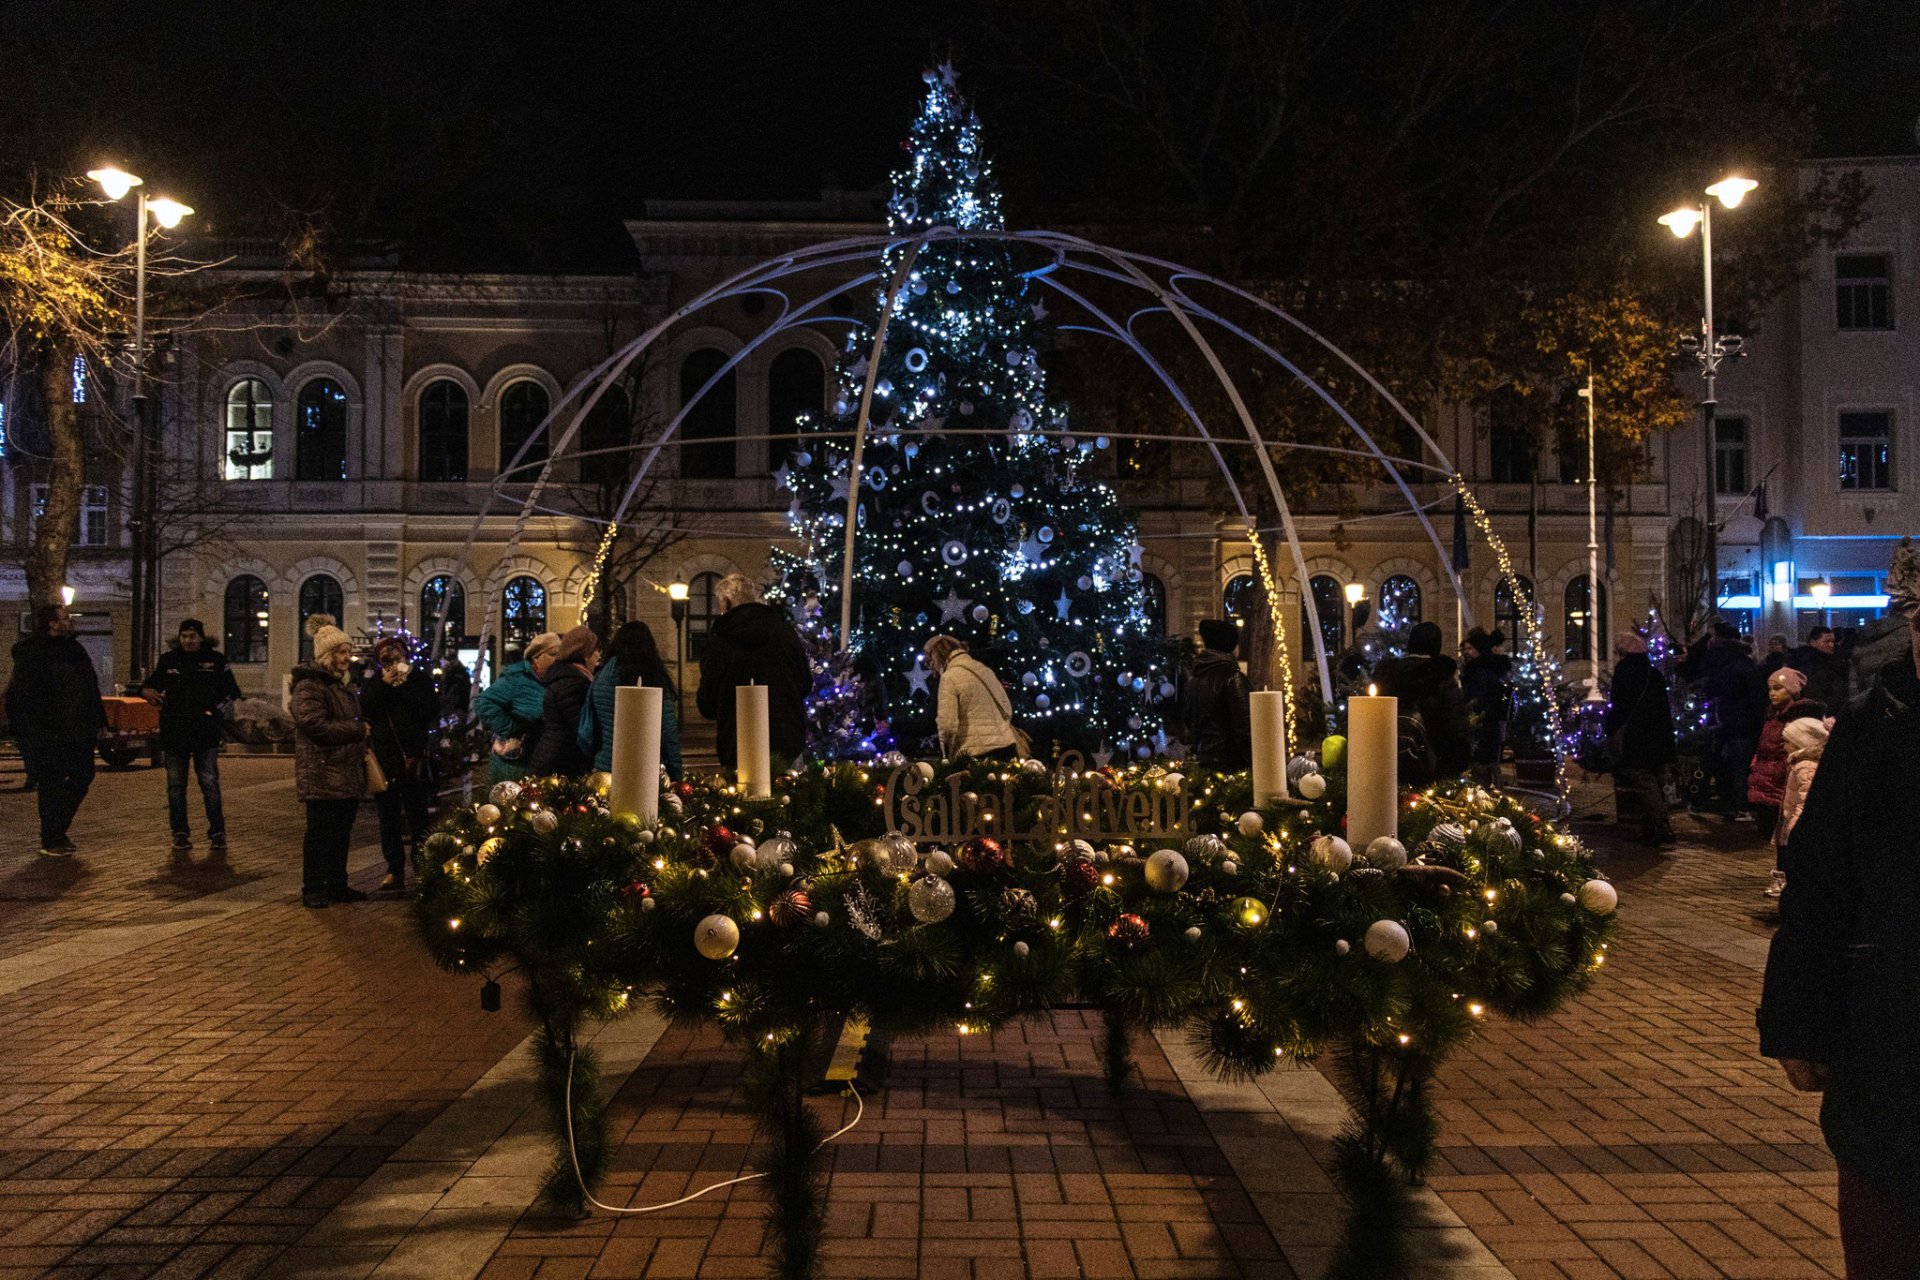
(1356, 603)
(1593, 554)
(677, 604)
(1821, 590)
(116, 183)
(1710, 348)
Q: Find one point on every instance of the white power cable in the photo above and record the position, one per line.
(573, 1154)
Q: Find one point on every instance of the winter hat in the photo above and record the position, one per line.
(326, 636)
(1425, 638)
(1481, 640)
(545, 642)
(1903, 579)
(1216, 633)
(1806, 734)
(1790, 680)
(390, 644)
(194, 625)
(1627, 642)
(577, 645)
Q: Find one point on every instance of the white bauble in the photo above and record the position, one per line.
(1166, 871)
(1195, 933)
(1388, 940)
(1386, 853)
(1228, 867)
(1312, 786)
(1251, 823)
(1489, 926)
(504, 793)
(1342, 947)
(742, 856)
(1173, 781)
(930, 899)
(1599, 897)
(1569, 899)
(716, 937)
(1449, 837)
(776, 852)
(939, 863)
(489, 814)
(644, 835)
(1081, 849)
(1033, 766)
(894, 854)
(1021, 949)
(923, 771)
(544, 821)
(1206, 848)
(1332, 853)
(1506, 834)
(821, 919)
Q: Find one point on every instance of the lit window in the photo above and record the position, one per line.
(79, 379)
(523, 615)
(90, 526)
(247, 606)
(1330, 602)
(249, 431)
(439, 594)
(320, 429)
(1866, 451)
(318, 594)
(3, 428)
(1579, 618)
(1508, 613)
(1399, 607)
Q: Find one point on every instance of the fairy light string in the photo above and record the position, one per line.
(1284, 661)
(589, 591)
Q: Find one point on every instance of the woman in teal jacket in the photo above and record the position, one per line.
(635, 660)
(510, 710)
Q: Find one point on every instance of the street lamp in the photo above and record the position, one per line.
(1356, 602)
(1710, 349)
(677, 604)
(116, 183)
(1593, 553)
(66, 596)
(1821, 590)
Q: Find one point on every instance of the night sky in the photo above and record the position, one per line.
(518, 135)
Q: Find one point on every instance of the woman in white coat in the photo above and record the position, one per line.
(975, 717)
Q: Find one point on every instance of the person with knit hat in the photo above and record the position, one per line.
(1840, 1009)
(1215, 699)
(1426, 682)
(568, 682)
(511, 707)
(1767, 774)
(402, 710)
(1806, 741)
(329, 762)
(1486, 681)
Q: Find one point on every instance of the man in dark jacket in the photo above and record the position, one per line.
(191, 684)
(1639, 726)
(1486, 681)
(53, 705)
(1841, 1004)
(1425, 682)
(1825, 670)
(753, 643)
(1736, 688)
(1214, 700)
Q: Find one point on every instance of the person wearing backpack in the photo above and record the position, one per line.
(975, 717)
(1214, 700)
(1431, 707)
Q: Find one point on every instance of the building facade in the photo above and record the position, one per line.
(339, 454)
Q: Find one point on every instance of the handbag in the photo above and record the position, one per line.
(376, 776)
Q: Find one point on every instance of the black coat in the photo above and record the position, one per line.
(1843, 978)
(193, 686)
(1486, 681)
(1826, 675)
(557, 749)
(54, 695)
(1737, 687)
(755, 644)
(401, 719)
(1638, 710)
(1214, 706)
(1426, 684)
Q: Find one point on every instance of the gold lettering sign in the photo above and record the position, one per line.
(1080, 806)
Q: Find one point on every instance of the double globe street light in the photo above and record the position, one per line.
(1710, 349)
(115, 183)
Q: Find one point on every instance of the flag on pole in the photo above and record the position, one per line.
(1533, 531)
(1760, 511)
(1609, 535)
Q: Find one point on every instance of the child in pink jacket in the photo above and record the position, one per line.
(1805, 739)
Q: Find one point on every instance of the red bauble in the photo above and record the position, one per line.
(635, 893)
(791, 907)
(684, 790)
(719, 840)
(1079, 877)
(985, 856)
(1128, 931)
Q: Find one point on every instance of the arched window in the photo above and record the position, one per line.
(320, 593)
(1331, 603)
(1507, 614)
(523, 407)
(609, 425)
(247, 606)
(443, 431)
(1579, 617)
(1399, 606)
(1153, 601)
(1242, 594)
(320, 432)
(701, 612)
(523, 615)
(796, 384)
(711, 419)
(249, 431)
(436, 592)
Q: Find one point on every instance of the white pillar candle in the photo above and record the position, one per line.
(1268, 713)
(753, 762)
(635, 787)
(1373, 769)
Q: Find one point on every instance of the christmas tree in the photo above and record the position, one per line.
(978, 514)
